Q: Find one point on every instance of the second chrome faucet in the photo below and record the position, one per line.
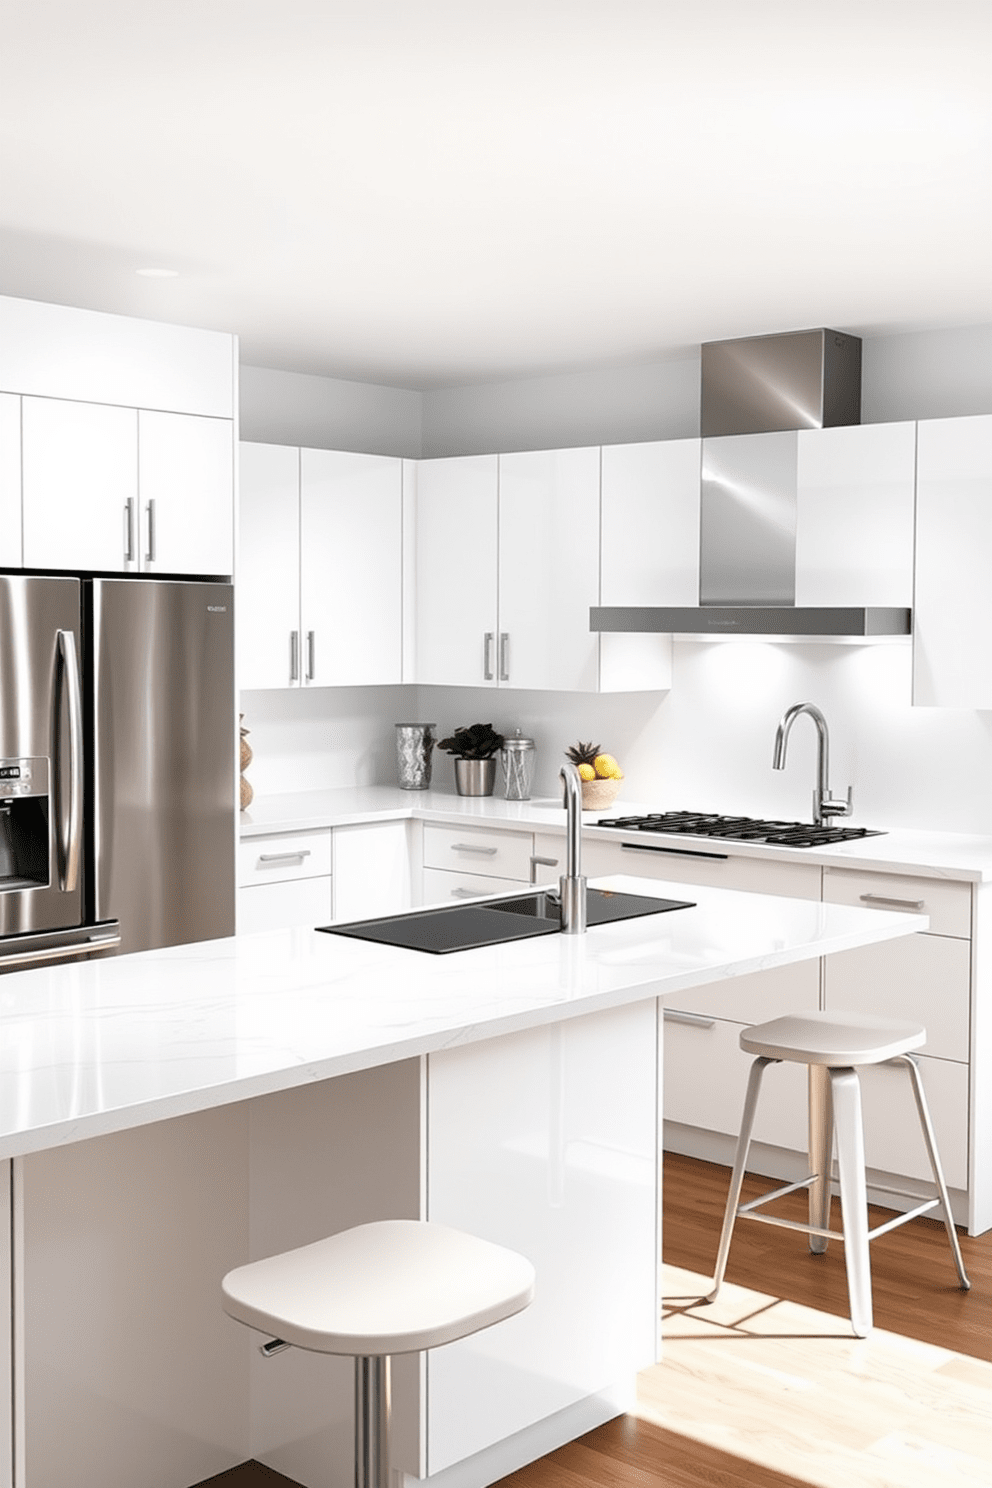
(824, 805)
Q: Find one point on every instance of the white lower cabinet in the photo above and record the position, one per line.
(371, 870)
(284, 881)
(545, 1141)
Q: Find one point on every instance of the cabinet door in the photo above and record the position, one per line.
(650, 551)
(186, 491)
(351, 568)
(456, 571)
(297, 904)
(548, 569)
(80, 485)
(951, 630)
(854, 517)
(371, 870)
(10, 481)
(267, 608)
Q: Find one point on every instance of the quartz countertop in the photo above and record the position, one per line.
(88, 1049)
(962, 856)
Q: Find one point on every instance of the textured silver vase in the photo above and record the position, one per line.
(414, 755)
(475, 777)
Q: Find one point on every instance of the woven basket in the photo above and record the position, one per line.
(598, 794)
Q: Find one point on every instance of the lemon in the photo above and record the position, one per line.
(587, 772)
(607, 768)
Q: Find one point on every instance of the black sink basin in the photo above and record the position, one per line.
(465, 927)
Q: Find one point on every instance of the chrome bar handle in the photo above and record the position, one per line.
(71, 822)
(691, 1020)
(311, 655)
(285, 857)
(504, 656)
(150, 514)
(294, 656)
(487, 656)
(469, 847)
(469, 893)
(892, 903)
(129, 530)
(60, 952)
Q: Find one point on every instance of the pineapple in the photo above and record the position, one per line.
(592, 765)
(583, 754)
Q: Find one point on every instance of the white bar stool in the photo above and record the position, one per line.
(396, 1286)
(833, 1045)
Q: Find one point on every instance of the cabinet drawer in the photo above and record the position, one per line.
(444, 888)
(706, 1074)
(490, 854)
(283, 906)
(701, 866)
(893, 1140)
(948, 904)
(923, 978)
(279, 858)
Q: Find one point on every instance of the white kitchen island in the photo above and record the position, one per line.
(169, 1115)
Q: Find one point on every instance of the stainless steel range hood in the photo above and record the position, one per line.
(757, 394)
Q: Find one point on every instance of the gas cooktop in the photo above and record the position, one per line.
(736, 828)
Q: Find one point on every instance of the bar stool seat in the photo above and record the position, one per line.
(391, 1287)
(833, 1045)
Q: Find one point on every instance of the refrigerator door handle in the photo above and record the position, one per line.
(69, 818)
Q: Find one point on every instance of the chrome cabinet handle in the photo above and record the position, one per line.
(487, 656)
(294, 656)
(893, 903)
(674, 852)
(150, 513)
(285, 857)
(537, 862)
(311, 657)
(129, 530)
(71, 822)
(469, 847)
(691, 1020)
(504, 656)
(468, 893)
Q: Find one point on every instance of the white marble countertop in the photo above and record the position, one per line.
(967, 857)
(93, 1048)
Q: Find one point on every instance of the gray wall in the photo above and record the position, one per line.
(924, 374)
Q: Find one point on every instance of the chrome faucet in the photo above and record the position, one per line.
(823, 803)
(572, 886)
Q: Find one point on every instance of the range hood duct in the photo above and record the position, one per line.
(756, 394)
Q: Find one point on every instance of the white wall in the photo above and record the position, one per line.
(320, 738)
(328, 413)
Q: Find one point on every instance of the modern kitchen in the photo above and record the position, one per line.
(432, 767)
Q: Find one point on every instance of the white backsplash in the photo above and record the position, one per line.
(705, 745)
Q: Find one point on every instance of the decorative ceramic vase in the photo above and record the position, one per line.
(475, 777)
(247, 794)
(414, 755)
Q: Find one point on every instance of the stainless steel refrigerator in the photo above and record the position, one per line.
(117, 765)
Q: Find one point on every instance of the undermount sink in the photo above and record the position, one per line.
(465, 927)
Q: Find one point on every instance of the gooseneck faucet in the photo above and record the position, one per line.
(823, 803)
(572, 885)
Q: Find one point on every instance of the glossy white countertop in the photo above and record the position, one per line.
(101, 1047)
(967, 857)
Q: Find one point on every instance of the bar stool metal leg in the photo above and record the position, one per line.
(846, 1093)
(758, 1068)
(821, 1141)
(372, 1408)
(937, 1170)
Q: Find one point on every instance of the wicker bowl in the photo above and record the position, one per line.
(598, 794)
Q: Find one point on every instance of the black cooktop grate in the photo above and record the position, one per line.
(736, 828)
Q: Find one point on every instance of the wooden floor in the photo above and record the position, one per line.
(767, 1388)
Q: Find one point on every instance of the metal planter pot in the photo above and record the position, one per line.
(475, 777)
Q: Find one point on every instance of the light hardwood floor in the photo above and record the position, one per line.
(767, 1388)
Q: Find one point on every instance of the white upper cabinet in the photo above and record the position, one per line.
(548, 569)
(319, 568)
(351, 568)
(186, 494)
(507, 569)
(456, 575)
(650, 550)
(10, 481)
(123, 491)
(80, 485)
(952, 634)
(267, 608)
(854, 515)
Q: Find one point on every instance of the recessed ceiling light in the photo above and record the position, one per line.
(158, 273)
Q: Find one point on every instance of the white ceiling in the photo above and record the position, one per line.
(429, 192)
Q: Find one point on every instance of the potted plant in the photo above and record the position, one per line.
(475, 749)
